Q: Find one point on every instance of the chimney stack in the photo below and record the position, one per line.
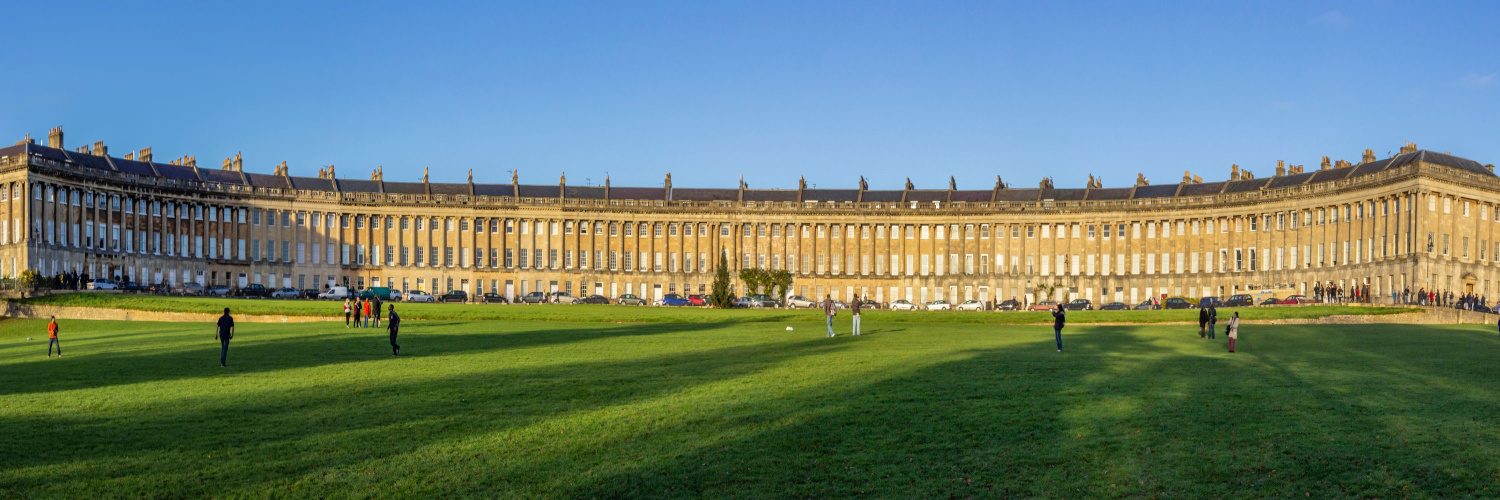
(1280, 168)
(130, 156)
(1368, 157)
(146, 154)
(55, 138)
(100, 150)
(1234, 172)
(1410, 147)
(238, 166)
(1325, 163)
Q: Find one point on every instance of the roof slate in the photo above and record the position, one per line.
(1161, 191)
(700, 194)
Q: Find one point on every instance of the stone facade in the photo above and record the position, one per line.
(1418, 219)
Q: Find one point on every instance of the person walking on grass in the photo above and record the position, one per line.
(1202, 323)
(377, 310)
(829, 311)
(359, 312)
(1059, 317)
(1213, 320)
(368, 314)
(52, 337)
(347, 311)
(394, 325)
(1234, 330)
(222, 333)
(854, 310)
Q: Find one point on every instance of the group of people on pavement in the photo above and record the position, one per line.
(362, 310)
(1425, 297)
(1331, 293)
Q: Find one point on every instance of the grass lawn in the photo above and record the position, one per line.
(748, 410)
(623, 314)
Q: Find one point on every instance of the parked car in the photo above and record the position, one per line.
(561, 298)
(455, 296)
(1148, 305)
(594, 299)
(1295, 299)
(252, 291)
(630, 300)
(903, 305)
(939, 305)
(1045, 305)
(130, 286)
(190, 288)
(1115, 306)
(1080, 305)
(744, 303)
(800, 302)
(533, 298)
(698, 299)
(869, 304)
(1206, 302)
(674, 300)
(1008, 305)
(335, 293)
(970, 305)
(217, 291)
(1270, 301)
(1177, 303)
(1239, 300)
(766, 300)
(308, 293)
(286, 293)
(495, 298)
(419, 296)
(102, 284)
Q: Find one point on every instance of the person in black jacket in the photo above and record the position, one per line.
(1059, 316)
(1202, 322)
(1213, 320)
(394, 325)
(222, 333)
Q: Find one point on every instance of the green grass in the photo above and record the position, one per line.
(748, 410)
(622, 314)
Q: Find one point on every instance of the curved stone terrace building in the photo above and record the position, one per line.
(1417, 219)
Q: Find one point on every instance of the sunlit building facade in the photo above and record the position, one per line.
(1417, 219)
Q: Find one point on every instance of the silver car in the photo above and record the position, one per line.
(800, 302)
(939, 305)
(970, 305)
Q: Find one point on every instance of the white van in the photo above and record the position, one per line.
(335, 293)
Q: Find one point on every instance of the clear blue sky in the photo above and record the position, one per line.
(710, 91)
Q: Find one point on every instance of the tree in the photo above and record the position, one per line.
(780, 281)
(30, 279)
(721, 284)
(753, 278)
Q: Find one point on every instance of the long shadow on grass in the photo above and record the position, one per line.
(1119, 415)
(254, 352)
(321, 443)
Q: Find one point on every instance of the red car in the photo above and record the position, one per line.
(1296, 299)
(1043, 306)
(698, 299)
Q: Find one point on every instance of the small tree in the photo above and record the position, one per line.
(721, 284)
(753, 278)
(779, 280)
(30, 279)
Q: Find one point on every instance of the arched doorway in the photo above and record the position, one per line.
(1469, 281)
